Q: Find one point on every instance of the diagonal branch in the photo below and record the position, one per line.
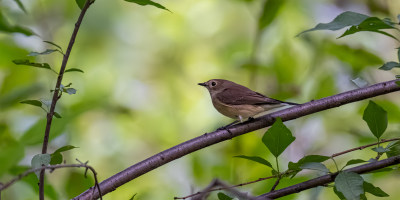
(209, 139)
(56, 95)
(323, 180)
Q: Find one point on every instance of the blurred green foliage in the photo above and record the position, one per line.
(139, 92)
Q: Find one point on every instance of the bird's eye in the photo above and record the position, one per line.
(213, 83)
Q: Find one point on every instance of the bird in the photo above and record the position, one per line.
(239, 102)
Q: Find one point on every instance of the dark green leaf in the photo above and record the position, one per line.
(48, 51)
(32, 102)
(74, 70)
(389, 65)
(380, 149)
(222, 196)
(29, 63)
(278, 138)
(34, 134)
(6, 27)
(398, 54)
(339, 194)
(376, 118)
(256, 159)
(147, 2)
(307, 159)
(315, 166)
(80, 3)
(269, 12)
(376, 191)
(39, 160)
(343, 20)
(394, 149)
(57, 115)
(373, 24)
(56, 158)
(350, 185)
(65, 148)
(354, 161)
(54, 44)
(398, 83)
(20, 5)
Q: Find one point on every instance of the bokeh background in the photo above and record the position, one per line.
(139, 93)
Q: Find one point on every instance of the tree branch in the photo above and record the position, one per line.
(208, 139)
(27, 172)
(50, 114)
(322, 180)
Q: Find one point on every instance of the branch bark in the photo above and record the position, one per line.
(208, 139)
(56, 95)
(322, 180)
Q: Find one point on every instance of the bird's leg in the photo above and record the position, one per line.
(229, 125)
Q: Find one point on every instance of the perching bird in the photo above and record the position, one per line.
(237, 101)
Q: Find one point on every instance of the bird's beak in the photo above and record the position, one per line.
(202, 84)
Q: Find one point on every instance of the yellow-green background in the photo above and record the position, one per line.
(139, 93)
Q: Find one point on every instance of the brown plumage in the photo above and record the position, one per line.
(237, 101)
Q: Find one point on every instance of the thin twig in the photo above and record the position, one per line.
(363, 147)
(55, 98)
(323, 180)
(215, 137)
(53, 167)
(276, 183)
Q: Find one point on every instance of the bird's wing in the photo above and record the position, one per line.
(233, 96)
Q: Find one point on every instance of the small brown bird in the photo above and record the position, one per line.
(237, 101)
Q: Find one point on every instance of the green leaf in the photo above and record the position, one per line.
(70, 91)
(339, 194)
(65, 148)
(28, 63)
(48, 51)
(57, 115)
(147, 2)
(398, 54)
(269, 12)
(343, 20)
(80, 3)
(376, 191)
(315, 166)
(73, 189)
(394, 149)
(376, 118)
(389, 65)
(373, 24)
(350, 185)
(34, 135)
(20, 5)
(54, 44)
(354, 161)
(307, 159)
(32, 102)
(380, 149)
(278, 138)
(56, 158)
(133, 197)
(6, 27)
(39, 160)
(73, 70)
(256, 159)
(222, 196)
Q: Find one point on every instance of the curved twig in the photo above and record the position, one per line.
(208, 139)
